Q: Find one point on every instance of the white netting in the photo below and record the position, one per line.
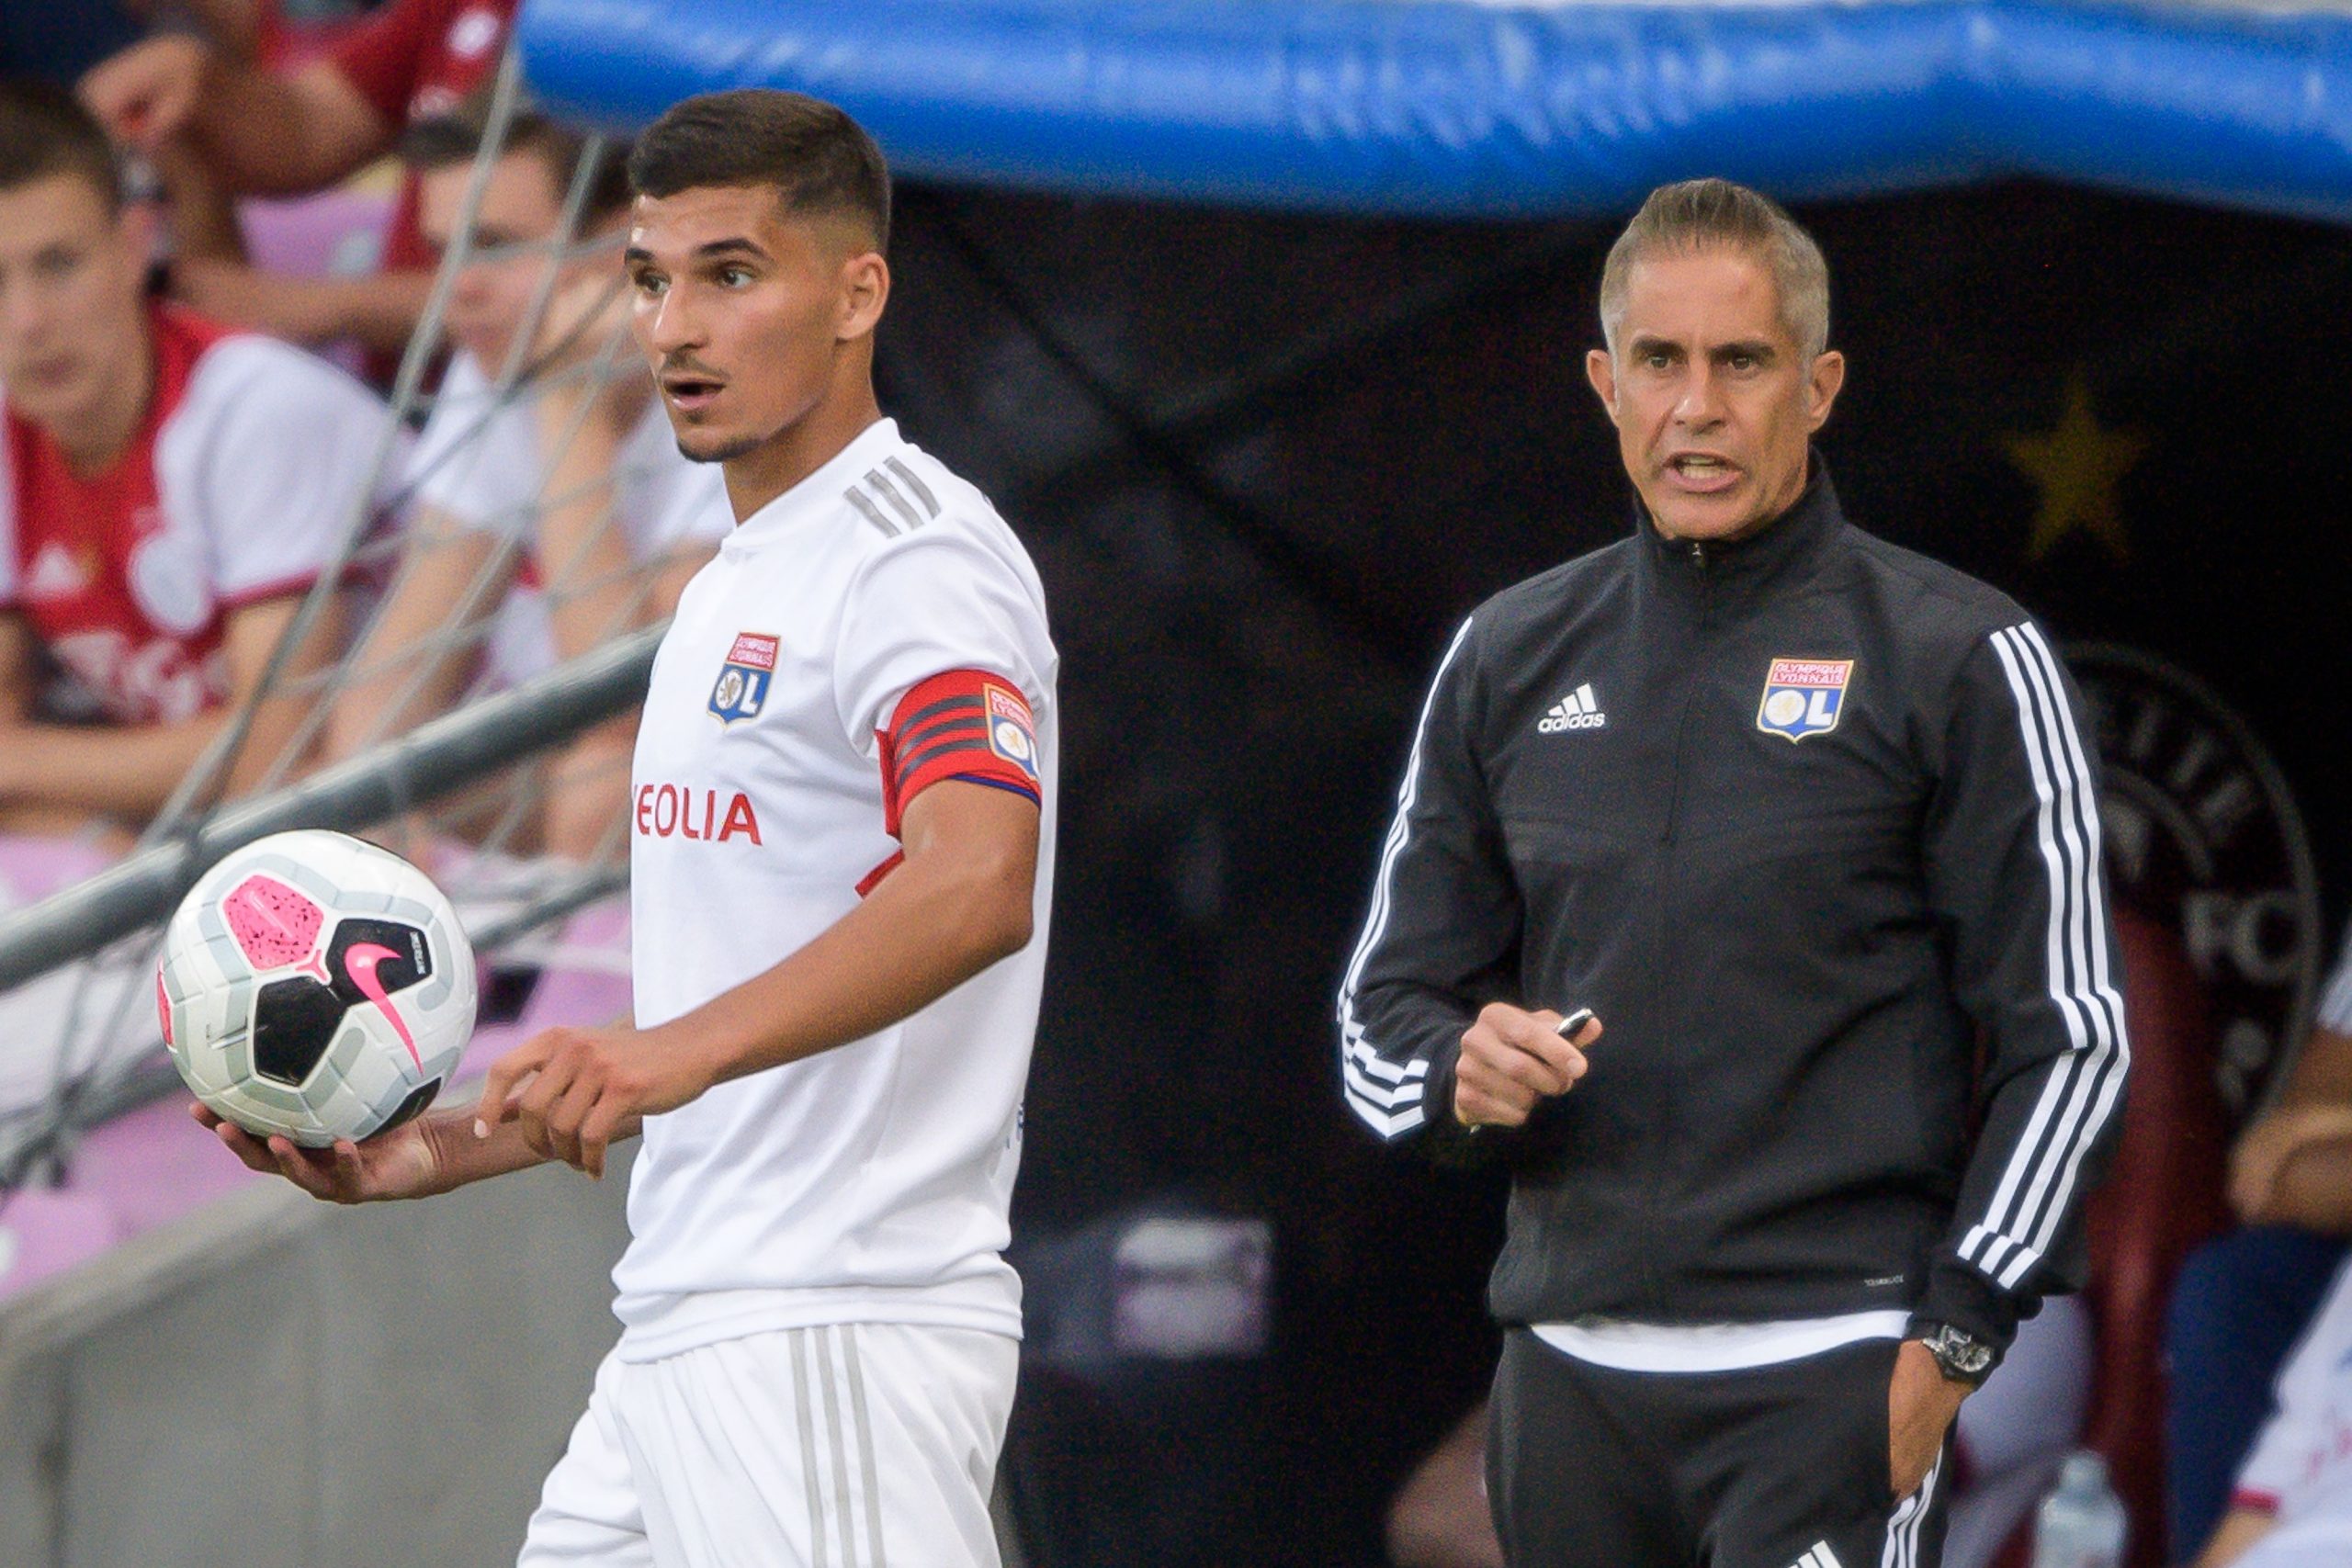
(439, 613)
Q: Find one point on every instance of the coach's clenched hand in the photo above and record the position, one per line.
(1510, 1059)
(572, 1091)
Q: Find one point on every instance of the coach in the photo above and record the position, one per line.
(1810, 822)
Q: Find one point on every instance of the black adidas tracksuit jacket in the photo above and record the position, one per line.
(1803, 818)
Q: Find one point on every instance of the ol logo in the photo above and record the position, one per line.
(743, 684)
(1012, 733)
(1803, 696)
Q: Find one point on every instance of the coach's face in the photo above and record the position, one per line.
(71, 323)
(1714, 401)
(750, 315)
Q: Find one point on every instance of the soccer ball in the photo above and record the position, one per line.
(316, 986)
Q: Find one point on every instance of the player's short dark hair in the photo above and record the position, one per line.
(44, 130)
(439, 140)
(820, 161)
(1693, 215)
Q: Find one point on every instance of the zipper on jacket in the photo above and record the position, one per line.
(1669, 894)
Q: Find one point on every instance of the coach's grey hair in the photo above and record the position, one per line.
(1697, 215)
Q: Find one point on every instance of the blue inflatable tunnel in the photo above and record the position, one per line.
(1443, 107)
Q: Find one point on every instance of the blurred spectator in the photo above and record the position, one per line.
(2242, 1301)
(171, 489)
(264, 132)
(560, 504)
(2293, 1505)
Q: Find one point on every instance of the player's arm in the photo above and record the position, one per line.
(1424, 1048)
(960, 900)
(130, 772)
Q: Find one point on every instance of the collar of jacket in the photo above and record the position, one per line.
(1786, 542)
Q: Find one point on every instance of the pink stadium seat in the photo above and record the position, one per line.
(587, 981)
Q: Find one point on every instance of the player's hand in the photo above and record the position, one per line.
(1921, 1405)
(572, 1091)
(1511, 1060)
(146, 94)
(401, 1163)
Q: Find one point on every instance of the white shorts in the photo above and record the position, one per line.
(858, 1445)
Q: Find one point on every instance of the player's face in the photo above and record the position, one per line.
(72, 282)
(1714, 402)
(750, 316)
(521, 204)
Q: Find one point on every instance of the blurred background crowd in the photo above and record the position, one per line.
(1263, 473)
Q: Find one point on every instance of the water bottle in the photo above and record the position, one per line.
(2081, 1522)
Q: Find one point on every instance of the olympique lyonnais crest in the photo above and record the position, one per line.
(743, 680)
(1803, 696)
(1012, 734)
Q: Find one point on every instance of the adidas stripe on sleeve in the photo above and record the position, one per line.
(1445, 911)
(2014, 861)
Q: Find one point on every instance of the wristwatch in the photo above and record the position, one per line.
(1962, 1357)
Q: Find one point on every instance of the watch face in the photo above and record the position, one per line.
(1959, 1353)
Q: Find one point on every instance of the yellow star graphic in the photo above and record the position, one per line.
(2078, 467)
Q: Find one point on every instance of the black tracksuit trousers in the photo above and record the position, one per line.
(1773, 1466)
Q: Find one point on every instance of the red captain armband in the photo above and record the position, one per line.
(964, 724)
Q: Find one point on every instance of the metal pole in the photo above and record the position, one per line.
(430, 761)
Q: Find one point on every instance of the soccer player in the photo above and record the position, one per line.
(168, 491)
(1804, 816)
(560, 510)
(842, 845)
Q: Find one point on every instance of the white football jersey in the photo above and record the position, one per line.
(871, 1182)
(479, 462)
(239, 486)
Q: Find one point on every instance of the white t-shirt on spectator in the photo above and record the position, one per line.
(2300, 1469)
(869, 1183)
(479, 462)
(238, 487)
